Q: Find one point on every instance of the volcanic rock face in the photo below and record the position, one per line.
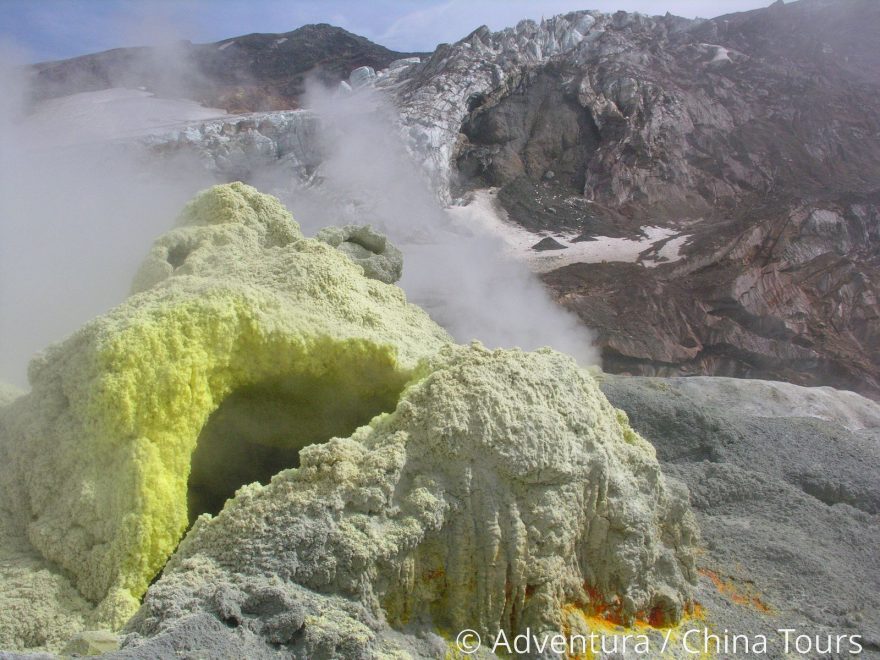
(794, 300)
(455, 486)
(754, 140)
(639, 111)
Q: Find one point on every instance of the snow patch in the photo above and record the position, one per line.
(484, 214)
(226, 45)
(671, 251)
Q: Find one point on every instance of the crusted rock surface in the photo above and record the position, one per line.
(784, 483)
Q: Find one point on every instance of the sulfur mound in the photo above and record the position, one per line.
(242, 343)
(356, 483)
(368, 248)
(503, 492)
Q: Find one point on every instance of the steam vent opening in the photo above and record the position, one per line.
(260, 429)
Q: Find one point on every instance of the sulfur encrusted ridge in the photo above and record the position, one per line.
(352, 475)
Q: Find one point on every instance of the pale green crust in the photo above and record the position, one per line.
(504, 492)
(368, 248)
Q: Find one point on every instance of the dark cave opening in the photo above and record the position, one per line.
(259, 429)
(177, 255)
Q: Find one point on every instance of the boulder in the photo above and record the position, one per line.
(368, 248)
(548, 243)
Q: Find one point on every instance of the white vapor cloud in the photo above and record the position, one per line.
(78, 211)
(455, 272)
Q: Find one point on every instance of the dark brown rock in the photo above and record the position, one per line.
(548, 243)
(758, 134)
(792, 297)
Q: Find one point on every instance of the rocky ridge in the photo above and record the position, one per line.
(597, 125)
(762, 152)
(254, 72)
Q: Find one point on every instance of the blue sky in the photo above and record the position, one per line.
(53, 29)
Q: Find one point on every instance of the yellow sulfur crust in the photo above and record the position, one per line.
(97, 456)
